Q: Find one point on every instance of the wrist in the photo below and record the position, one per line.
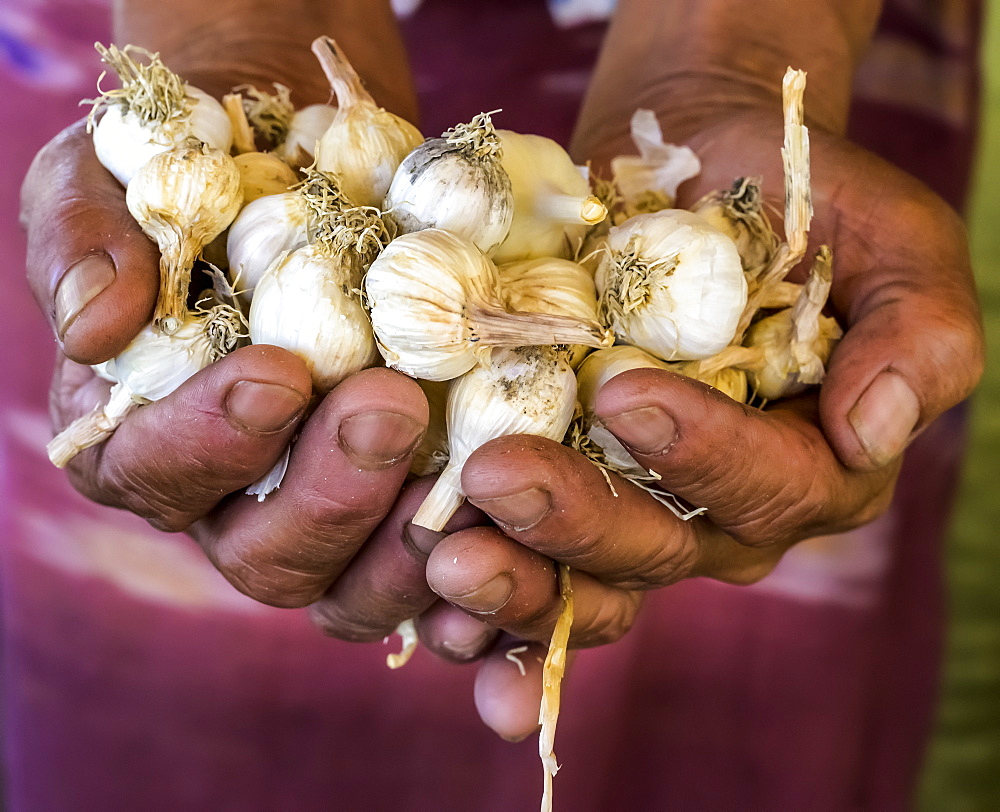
(221, 44)
(704, 58)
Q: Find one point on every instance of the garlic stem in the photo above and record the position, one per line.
(92, 428)
(444, 499)
(498, 327)
(344, 80)
(571, 210)
(243, 138)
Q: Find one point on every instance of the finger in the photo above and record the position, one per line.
(454, 635)
(173, 460)
(514, 588)
(344, 473)
(508, 689)
(553, 500)
(765, 477)
(914, 345)
(385, 582)
(93, 272)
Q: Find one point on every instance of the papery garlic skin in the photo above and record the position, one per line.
(523, 390)
(124, 141)
(553, 204)
(648, 182)
(436, 306)
(183, 199)
(552, 285)
(263, 174)
(455, 182)
(262, 231)
(306, 303)
(307, 127)
(364, 143)
(672, 285)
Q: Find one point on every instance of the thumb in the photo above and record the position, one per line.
(92, 270)
(914, 343)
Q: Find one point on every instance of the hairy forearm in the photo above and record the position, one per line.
(218, 44)
(707, 53)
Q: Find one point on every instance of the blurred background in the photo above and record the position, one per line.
(963, 770)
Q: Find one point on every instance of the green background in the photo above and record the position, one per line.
(963, 768)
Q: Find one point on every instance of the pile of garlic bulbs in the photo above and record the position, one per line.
(482, 262)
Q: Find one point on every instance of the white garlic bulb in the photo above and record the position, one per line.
(151, 367)
(183, 199)
(552, 285)
(648, 182)
(364, 143)
(307, 127)
(672, 285)
(436, 305)
(307, 303)
(153, 111)
(262, 174)
(795, 343)
(271, 225)
(523, 390)
(455, 182)
(553, 205)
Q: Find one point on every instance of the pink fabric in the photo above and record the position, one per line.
(134, 677)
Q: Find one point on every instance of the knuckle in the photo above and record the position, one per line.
(334, 620)
(254, 573)
(612, 621)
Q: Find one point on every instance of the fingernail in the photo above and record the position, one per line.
(521, 510)
(78, 287)
(490, 597)
(473, 642)
(420, 538)
(263, 407)
(648, 430)
(514, 738)
(884, 417)
(378, 440)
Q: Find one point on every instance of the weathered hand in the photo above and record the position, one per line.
(818, 464)
(182, 462)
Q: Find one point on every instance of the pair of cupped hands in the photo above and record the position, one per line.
(336, 536)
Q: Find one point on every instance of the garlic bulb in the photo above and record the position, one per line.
(308, 303)
(262, 174)
(151, 367)
(553, 205)
(455, 182)
(672, 284)
(739, 212)
(552, 285)
(364, 143)
(432, 453)
(648, 182)
(523, 390)
(273, 224)
(151, 112)
(795, 343)
(436, 307)
(183, 199)
(298, 148)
